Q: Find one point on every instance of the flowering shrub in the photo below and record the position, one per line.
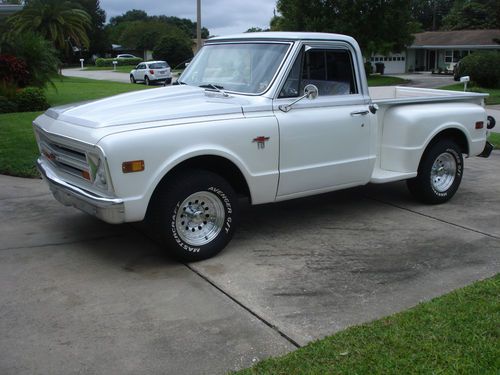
(13, 71)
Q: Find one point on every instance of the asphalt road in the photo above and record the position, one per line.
(80, 296)
(107, 75)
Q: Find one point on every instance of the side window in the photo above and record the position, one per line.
(331, 70)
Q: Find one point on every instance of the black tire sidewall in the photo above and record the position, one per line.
(422, 186)
(170, 202)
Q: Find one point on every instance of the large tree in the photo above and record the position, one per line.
(430, 13)
(382, 25)
(141, 35)
(62, 22)
(473, 14)
(124, 29)
(98, 38)
(174, 47)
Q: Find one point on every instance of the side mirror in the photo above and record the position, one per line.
(310, 92)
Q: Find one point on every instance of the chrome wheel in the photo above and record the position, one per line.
(200, 218)
(443, 172)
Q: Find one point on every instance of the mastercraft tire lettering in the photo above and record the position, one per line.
(194, 215)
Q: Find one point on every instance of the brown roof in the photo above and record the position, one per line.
(458, 38)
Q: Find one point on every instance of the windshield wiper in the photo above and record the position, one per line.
(212, 86)
(217, 88)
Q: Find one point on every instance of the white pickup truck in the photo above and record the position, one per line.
(266, 116)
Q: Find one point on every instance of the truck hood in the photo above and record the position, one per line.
(160, 104)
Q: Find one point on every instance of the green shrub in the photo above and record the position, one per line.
(482, 67)
(38, 54)
(7, 106)
(120, 62)
(31, 99)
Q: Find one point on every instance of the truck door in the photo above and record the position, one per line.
(324, 142)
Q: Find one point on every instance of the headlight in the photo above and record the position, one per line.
(97, 170)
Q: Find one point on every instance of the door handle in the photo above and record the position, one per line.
(360, 113)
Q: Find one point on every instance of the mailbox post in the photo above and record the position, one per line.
(114, 64)
(81, 64)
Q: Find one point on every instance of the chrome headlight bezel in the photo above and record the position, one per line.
(98, 169)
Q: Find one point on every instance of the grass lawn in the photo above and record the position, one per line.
(494, 97)
(72, 89)
(18, 149)
(458, 333)
(378, 80)
(494, 139)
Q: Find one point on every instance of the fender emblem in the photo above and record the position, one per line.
(261, 141)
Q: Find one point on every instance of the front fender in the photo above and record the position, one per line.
(164, 148)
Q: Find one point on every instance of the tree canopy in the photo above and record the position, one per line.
(430, 13)
(473, 14)
(61, 22)
(139, 19)
(173, 47)
(377, 25)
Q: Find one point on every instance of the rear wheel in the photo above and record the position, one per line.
(439, 173)
(132, 79)
(194, 214)
(146, 81)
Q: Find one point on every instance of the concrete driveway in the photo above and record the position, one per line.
(81, 296)
(426, 80)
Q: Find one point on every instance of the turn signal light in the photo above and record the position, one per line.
(479, 125)
(133, 166)
(86, 175)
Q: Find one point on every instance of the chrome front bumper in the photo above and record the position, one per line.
(110, 210)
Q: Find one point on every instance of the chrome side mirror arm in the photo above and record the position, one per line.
(310, 92)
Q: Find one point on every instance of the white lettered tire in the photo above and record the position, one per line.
(194, 214)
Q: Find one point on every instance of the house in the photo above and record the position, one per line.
(434, 50)
(443, 49)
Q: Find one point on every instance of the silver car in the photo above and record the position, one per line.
(151, 71)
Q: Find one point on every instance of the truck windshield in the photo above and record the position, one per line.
(240, 67)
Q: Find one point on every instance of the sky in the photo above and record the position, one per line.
(221, 17)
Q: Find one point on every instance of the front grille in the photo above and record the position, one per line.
(66, 158)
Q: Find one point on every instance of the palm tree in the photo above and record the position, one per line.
(59, 21)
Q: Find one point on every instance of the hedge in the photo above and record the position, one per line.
(482, 67)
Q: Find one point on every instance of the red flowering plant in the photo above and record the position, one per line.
(13, 71)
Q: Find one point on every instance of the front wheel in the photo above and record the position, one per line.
(194, 214)
(132, 79)
(439, 173)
